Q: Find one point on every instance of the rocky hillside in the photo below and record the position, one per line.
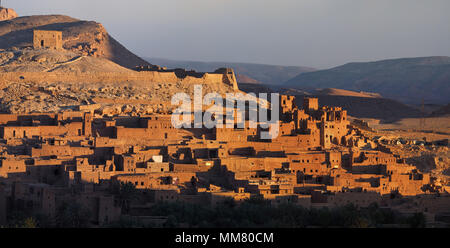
(409, 80)
(246, 72)
(91, 72)
(84, 38)
(45, 60)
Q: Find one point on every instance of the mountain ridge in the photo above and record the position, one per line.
(407, 79)
(251, 72)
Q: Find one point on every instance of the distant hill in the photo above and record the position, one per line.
(246, 79)
(358, 104)
(340, 92)
(86, 38)
(246, 72)
(408, 80)
(368, 107)
(444, 111)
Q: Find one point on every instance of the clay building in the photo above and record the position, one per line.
(46, 39)
(318, 159)
(225, 75)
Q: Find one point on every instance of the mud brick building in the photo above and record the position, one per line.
(318, 159)
(47, 39)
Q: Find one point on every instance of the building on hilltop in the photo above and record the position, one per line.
(226, 75)
(47, 39)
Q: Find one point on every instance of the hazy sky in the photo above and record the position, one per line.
(316, 33)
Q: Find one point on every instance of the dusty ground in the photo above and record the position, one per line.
(432, 128)
(29, 60)
(430, 158)
(138, 97)
(115, 94)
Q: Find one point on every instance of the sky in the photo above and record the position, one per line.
(314, 33)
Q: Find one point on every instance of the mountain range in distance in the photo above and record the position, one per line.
(406, 80)
(409, 80)
(380, 89)
(245, 72)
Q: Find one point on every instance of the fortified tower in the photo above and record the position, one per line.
(310, 104)
(229, 77)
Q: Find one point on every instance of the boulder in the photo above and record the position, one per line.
(7, 14)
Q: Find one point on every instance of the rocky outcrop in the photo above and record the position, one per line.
(85, 38)
(7, 14)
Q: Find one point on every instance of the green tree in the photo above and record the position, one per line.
(126, 193)
(72, 215)
(418, 220)
(171, 222)
(30, 223)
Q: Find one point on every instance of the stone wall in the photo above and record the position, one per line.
(105, 77)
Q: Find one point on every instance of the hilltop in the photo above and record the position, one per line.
(246, 72)
(46, 60)
(90, 71)
(84, 38)
(409, 79)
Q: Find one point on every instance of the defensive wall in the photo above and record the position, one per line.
(111, 77)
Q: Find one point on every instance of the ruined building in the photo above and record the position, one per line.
(227, 75)
(47, 39)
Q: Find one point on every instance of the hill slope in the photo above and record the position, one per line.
(368, 107)
(247, 72)
(86, 38)
(409, 80)
(444, 111)
(45, 60)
